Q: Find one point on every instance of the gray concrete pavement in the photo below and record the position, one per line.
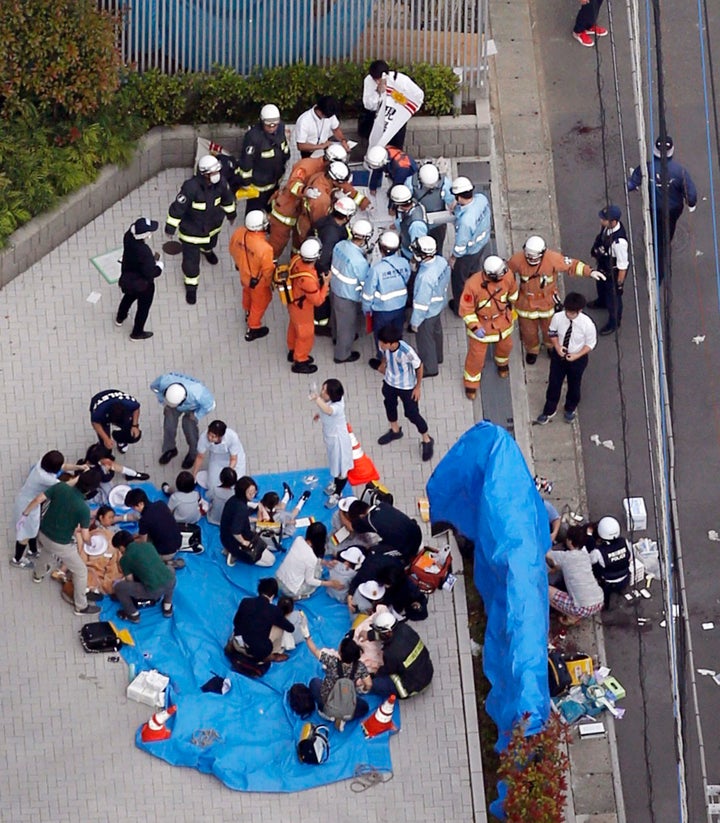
(68, 728)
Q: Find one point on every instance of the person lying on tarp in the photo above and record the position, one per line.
(259, 624)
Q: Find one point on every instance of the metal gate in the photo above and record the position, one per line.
(193, 35)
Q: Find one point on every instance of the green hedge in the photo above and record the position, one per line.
(42, 160)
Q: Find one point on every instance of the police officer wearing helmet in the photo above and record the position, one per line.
(429, 299)
(263, 157)
(197, 212)
(410, 218)
(186, 397)
(349, 268)
(384, 294)
(610, 558)
(472, 232)
(432, 191)
(407, 668)
(308, 291)
(486, 309)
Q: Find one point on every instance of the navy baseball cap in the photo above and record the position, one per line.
(144, 225)
(610, 213)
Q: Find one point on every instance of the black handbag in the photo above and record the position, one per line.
(253, 552)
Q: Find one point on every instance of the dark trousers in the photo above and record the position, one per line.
(610, 298)
(361, 706)
(121, 436)
(429, 344)
(587, 16)
(463, 268)
(561, 369)
(127, 591)
(391, 396)
(144, 301)
(191, 259)
(609, 588)
(659, 222)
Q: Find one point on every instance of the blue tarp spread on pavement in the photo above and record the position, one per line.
(483, 487)
(247, 737)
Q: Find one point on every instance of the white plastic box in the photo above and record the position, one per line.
(635, 513)
(149, 688)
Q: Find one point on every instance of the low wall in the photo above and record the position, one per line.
(172, 147)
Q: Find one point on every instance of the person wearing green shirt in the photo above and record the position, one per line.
(147, 577)
(65, 513)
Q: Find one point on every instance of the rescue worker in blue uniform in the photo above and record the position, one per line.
(330, 230)
(384, 294)
(349, 268)
(671, 193)
(472, 232)
(263, 157)
(410, 218)
(433, 192)
(198, 211)
(429, 299)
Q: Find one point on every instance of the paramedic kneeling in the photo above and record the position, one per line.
(407, 668)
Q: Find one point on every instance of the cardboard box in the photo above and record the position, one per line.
(149, 688)
(635, 513)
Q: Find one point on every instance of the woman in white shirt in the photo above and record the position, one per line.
(336, 437)
(299, 574)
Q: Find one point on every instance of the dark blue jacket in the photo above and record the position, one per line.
(680, 187)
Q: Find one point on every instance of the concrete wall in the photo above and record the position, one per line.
(173, 147)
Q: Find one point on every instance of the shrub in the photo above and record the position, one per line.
(58, 54)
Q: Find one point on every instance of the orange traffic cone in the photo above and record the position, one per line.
(155, 729)
(363, 470)
(381, 721)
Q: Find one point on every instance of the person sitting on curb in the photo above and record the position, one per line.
(259, 624)
(147, 577)
(344, 663)
(584, 596)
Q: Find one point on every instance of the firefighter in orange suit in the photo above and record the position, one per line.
(253, 257)
(286, 204)
(308, 291)
(486, 309)
(537, 268)
(318, 198)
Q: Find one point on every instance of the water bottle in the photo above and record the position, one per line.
(131, 673)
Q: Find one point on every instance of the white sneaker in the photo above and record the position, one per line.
(332, 501)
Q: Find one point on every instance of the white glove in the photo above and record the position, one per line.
(303, 625)
(597, 275)
(312, 193)
(160, 264)
(692, 208)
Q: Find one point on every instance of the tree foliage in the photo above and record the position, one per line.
(60, 55)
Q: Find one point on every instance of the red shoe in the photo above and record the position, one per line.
(598, 31)
(584, 38)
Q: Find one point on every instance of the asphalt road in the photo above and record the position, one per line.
(613, 389)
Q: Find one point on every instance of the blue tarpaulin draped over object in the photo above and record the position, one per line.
(247, 737)
(483, 487)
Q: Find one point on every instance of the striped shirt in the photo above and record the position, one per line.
(400, 366)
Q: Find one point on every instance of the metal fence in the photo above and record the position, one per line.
(194, 35)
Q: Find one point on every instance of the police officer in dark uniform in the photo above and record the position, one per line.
(199, 209)
(610, 250)
(407, 668)
(610, 558)
(263, 157)
(115, 418)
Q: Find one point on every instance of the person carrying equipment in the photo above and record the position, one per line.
(306, 290)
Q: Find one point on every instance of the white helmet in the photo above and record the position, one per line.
(494, 267)
(424, 248)
(534, 249)
(429, 175)
(256, 220)
(339, 172)
(376, 157)
(362, 229)
(608, 528)
(270, 114)
(383, 621)
(175, 394)
(345, 206)
(310, 250)
(209, 164)
(462, 185)
(389, 242)
(400, 195)
(336, 151)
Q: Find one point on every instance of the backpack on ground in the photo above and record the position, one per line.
(191, 538)
(99, 637)
(313, 746)
(301, 700)
(374, 493)
(342, 700)
(559, 679)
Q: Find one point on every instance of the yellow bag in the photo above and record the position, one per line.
(579, 666)
(282, 284)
